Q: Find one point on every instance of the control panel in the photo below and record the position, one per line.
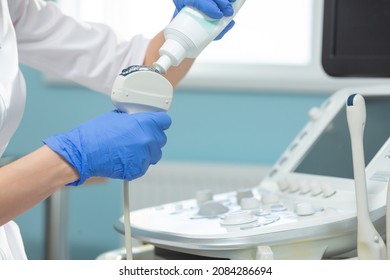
(305, 208)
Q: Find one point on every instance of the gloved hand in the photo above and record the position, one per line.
(114, 145)
(212, 8)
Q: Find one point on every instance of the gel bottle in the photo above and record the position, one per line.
(188, 34)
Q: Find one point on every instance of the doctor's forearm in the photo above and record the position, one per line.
(31, 179)
(175, 74)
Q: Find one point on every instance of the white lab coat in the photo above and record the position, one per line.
(35, 33)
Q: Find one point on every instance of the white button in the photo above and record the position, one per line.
(278, 208)
(283, 185)
(328, 190)
(294, 187)
(304, 209)
(315, 113)
(250, 203)
(203, 196)
(315, 188)
(238, 217)
(304, 187)
(243, 193)
(261, 213)
(268, 198)
(268, 219)
(212, 208)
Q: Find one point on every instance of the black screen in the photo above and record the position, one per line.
(331, 154)
(356, 38)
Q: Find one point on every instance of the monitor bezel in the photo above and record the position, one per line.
(347, 66)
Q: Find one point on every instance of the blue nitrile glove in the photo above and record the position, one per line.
(212, 8)
(114, 145)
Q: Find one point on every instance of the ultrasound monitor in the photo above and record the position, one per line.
(356, 38)
(331, 154)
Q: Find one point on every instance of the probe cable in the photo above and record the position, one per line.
(126, 219)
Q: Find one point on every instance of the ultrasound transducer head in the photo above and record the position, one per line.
(141, 89)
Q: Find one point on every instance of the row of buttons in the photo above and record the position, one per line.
(250, 212)
(313, 188)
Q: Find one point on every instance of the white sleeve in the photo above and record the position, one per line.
(11, 244)
(87, 53)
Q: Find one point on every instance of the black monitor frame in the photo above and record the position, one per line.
(368, 63)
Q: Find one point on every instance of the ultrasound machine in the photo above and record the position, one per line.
(315, 202)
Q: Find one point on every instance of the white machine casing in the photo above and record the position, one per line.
(289, 215)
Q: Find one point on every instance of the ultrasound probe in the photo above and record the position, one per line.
(139, 89)
(370, 245)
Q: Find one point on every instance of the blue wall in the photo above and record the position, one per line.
(208, 126)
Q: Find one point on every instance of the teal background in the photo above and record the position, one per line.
(225, 126)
